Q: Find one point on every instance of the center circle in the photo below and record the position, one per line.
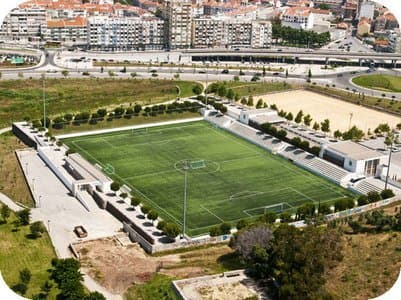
(197, 166)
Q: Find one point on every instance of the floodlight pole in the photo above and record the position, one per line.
(184, 210)
(388, 165)
(44, 99)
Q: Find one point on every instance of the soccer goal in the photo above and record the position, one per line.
(276, 208)
(139, 131)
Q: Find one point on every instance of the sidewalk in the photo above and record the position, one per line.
(10, 203)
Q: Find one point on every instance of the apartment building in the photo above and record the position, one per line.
(223, 31)
(129, 33)
(68, 32)
(298, 18)
(24, 23)
(178, 17)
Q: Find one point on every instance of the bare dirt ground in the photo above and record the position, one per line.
(117, 267)
(321, 107)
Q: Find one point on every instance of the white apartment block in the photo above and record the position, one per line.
(209, 32)
(298, 18)
(142, 33)
(367, 10)
(23, 23)
(178, 17)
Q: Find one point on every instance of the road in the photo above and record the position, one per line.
(51, 66)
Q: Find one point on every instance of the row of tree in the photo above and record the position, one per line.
(300, 37)
(119, 112)
(296, 141)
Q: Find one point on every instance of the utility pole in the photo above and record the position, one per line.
(389, 142)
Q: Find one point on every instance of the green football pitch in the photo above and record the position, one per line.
(228, 178)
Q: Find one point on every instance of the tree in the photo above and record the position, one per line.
(137, 108)
(362, 200)
(222, 91)
(268, 217)
(309, 73)
(161, 225)
(373, 196)
(289, 116)
(325, 125)
(259, 104)
(354, 133)
(20, 288)
(307, 120)
(225, 228)
(115, 186)
(133, 74)
(101, 69)
(256, 236)
(297, 259)
(95, 296)
(145, 209)
(153, 215)
(241, 224)
(298, 117)
(171, 230)
(5, 212)
(124, 69)
(285, 217)
(387, 193)
(25, 276)
(250, 101)
(343, 204)
(65, 73)
(135, 201)
(197, 89)
(230, 94)
(338, 134)
(215, 231)
(24, 216)
(37, 229)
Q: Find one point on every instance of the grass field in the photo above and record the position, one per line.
(237, 179)
(23, 98)
(12, 180)
(17, 252)
(379, 82)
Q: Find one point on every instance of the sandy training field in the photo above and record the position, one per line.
(322, 107)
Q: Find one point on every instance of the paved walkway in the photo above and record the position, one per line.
(4, 130)
(94, 286)
(10, 203)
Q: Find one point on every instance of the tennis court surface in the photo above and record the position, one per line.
(228, 178)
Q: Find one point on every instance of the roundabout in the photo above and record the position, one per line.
(379, 82)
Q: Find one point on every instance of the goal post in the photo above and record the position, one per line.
(139, 131)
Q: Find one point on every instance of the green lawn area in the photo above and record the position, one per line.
(17, 252)
(159, 288)
(229, 178)
(21, 98)
(379, 82)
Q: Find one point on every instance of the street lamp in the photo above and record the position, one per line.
(48, 225)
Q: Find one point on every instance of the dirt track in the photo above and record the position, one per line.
(323, 107)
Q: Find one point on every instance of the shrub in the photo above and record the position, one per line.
(373, 196)
(387, 193)
(161, 225)
(145, 209)
(123, 195)
(241, 224)
(171, 230)
(135, 201)
(225, 228)
(37, 229)
(115, 186)
(215, 231)
(362, 200)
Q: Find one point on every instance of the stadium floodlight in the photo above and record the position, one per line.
(184, 208)
(44, 99)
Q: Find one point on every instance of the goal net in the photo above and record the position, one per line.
(139, 131)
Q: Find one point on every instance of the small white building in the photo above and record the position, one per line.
(354, 157)
(298, 18)
(260, 116)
